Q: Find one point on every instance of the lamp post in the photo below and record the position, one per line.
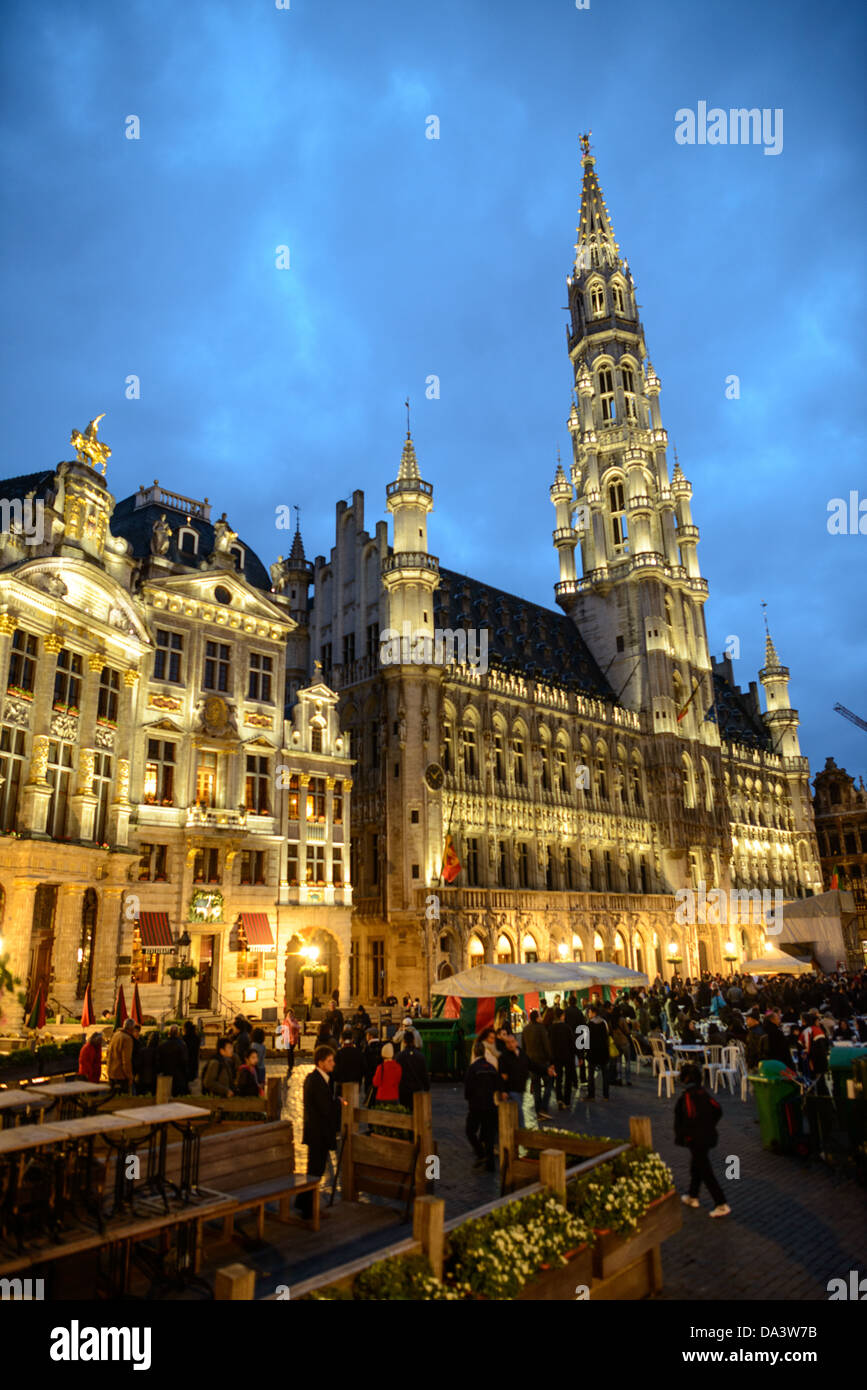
(184, 944)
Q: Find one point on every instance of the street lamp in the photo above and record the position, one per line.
(183, 947)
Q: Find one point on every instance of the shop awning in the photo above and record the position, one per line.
(257, 930)
(155, 932)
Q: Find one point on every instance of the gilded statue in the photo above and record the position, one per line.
(88, 448)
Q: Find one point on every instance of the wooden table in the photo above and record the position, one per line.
(78, 1185)
(13, 1101)
(158, 1118)
(70, 1094)
(17, 1148)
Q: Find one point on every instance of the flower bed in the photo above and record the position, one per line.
(532, 1248)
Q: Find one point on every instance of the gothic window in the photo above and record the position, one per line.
(523, 866)
(688, 781)
(597, 298)
(520, 761)
(468, 738)
(637, 789)
(447, 748)
(617, 505)
(546, 768)
(601, 777)
(504, 876)
(617, 297)
(628, 378)
(549, 867)
(472, 856)
(499, 758)
(568, 867)
(67, 682)
(708, 785)
(605, 387)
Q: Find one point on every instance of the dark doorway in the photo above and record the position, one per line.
(205, 976)
(41, 942)
(89, 910)
(702, 956)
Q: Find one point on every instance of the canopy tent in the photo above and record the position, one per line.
(820, 926)
(487, 981)
(776, 963)
(475, 996)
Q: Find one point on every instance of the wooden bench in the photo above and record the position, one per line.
(253, 1166)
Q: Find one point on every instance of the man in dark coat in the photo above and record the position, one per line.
(775, 1045)
(597, 1052)
(536, 1042)
(481, 1085)
(321, 1121)
(563, 1049)
(414, 1074)
(349, 1063)
(696, 1116)
(172, 1060)
(371, 1055)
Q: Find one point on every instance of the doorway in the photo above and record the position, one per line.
(39, 975)
(204, 979)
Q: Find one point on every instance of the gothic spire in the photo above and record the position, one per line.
(596, 246)
(408, 462)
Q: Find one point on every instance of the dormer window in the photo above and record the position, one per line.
(238, 553)
(188, 540)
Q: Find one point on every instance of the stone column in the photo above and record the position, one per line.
(82, 806)
(112, 955)
(67, 939)
(347, 847)
(119, 811)
(344, 939)
(17, 930)
(36, 793)
(329, 834)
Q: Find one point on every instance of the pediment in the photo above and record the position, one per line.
(77, 590)
(200, 588)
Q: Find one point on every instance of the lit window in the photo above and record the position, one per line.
(605, 388)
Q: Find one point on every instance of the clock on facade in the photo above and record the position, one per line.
(434, 776)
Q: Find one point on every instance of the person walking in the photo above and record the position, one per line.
(387, 1077)
(413, 1071)
(172, 1061)
(219, 1075)
(563, 1049)
(481, 1086)
(247, 1078)
(696, 1116)
(597, 1051)
(321, 1121)
(349, 1063)
(291, 1038)
(120, 1072)
(192, 1042)
(536, 1042)
(514, 1070)
(90, 1058)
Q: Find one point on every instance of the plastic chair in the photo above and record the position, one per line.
(730, 1068)
(666, 1077)
(647, 1058)
(659, 1054)
(714, 1061)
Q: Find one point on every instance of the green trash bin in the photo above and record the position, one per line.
(442, 1041)
(778, 1102)
(850, 1109)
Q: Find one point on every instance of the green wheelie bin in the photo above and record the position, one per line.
(443, 1045)
(778, 1102)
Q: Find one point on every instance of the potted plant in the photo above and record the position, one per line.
(181, 972)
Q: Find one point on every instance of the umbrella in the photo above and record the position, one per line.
(135, 1012)
(87, 1016)
(120, 1012)
(778, 963)
(37, 1013)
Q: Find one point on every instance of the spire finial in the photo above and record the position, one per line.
(765, 616)
(406, 403)
(297, 518)
(585, 143)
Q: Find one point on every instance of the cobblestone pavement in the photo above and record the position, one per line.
(795, 1223)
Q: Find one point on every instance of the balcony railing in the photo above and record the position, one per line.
(410, 559)
(213, 819)
(175, 501)
(409, 485)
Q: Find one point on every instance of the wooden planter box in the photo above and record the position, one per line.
(612, 1252)
(52, 1066)
(560, 1283)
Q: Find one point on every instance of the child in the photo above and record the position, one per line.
(258, 1046)
(696, 1116)
(247, 1080)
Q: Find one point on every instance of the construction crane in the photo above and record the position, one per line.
(847, 714)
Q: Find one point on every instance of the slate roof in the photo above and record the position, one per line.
(523, 637)
(37, 483)
(736, 718)
(136, 525)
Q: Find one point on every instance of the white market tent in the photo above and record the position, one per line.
(776, 963)
(491, 981)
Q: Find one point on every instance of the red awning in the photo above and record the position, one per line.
(155, 932)
(257, 930)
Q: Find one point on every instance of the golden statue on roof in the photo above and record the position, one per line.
(585, 142)
(88, 448)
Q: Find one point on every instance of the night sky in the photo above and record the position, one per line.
(410, 257)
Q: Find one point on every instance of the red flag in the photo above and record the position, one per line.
(120, 1013)
(87, 1018)
(37, 1013)
(451, 863)
(135, 1013)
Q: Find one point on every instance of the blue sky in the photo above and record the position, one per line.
(412, 257)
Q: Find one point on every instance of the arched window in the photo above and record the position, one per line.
(708, 785)
(561, 765)
(617, 297)
(529, 948)
(597, 298)
(605, 389)
(505, 950)
(601, 773)
(520, 760)
(637, 786)
(627, 376)
(477, 951)
(237, 552)
(617, 505)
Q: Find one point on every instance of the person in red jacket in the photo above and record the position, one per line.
(387, 1077)
(90, 1058)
